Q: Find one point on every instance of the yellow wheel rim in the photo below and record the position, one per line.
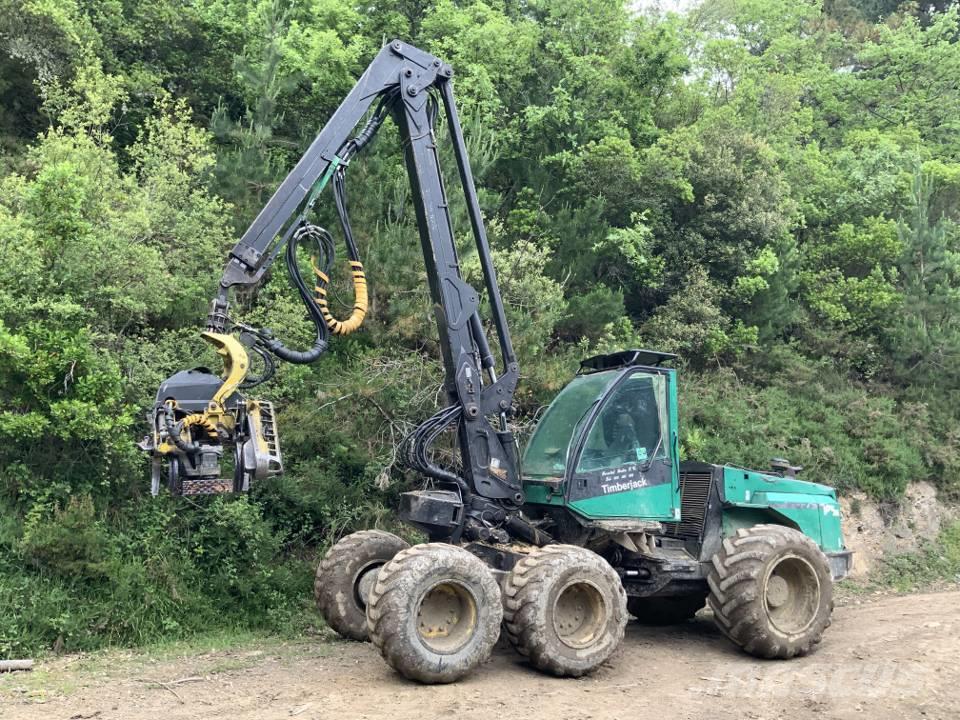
(579, 614)
(447, 617)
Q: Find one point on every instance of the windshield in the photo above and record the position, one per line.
(630, 427)
(546, 454)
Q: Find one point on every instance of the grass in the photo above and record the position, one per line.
(210, 654)
(934, 564)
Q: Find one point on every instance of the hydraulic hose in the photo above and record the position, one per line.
(417, 445)
(352, 323)
(360, 296)
(174, 429)
(325, 247)
(269, 366)
(317, 303)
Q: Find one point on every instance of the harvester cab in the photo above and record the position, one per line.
(608, 446)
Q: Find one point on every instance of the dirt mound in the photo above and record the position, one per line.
(873, 530)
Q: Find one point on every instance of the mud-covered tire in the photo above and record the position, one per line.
(771, 591)
(434, 612)
(665, 610)
(564, 609)
(345, 576)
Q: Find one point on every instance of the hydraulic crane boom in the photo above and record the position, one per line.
(196, 416)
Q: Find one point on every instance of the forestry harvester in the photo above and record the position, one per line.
(599, 519)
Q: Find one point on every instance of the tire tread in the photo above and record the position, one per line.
(734, 582)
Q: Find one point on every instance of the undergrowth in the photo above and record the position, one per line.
(935, 563)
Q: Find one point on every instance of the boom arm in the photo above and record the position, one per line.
(408, 82)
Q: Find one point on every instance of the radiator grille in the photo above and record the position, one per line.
(694, 489)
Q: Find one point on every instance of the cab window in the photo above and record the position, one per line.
(631, 427)
(546, 454)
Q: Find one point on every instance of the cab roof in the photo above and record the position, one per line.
(624, 358)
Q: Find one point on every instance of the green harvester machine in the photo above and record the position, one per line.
(600, 520)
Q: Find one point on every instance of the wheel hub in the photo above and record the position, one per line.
(447, 617)
(792, 594)
(365, 582)
(579, 614)
(777, 591)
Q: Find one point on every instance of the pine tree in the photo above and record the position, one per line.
(930, 271)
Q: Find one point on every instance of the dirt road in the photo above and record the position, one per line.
(892, 657)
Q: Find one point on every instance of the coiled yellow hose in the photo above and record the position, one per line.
(203, 421)
(352, 323)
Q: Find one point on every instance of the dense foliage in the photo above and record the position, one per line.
(769, 188)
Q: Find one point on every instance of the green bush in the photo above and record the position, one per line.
(164, 569)
(69, 542)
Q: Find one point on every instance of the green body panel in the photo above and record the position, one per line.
(752, 497)
(541, 494)
(740, 485)
(659, 502)
(672, 394)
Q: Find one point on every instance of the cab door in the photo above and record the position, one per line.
(625, 463)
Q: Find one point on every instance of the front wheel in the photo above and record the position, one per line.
(771, 591)
(565, 609)
(434, 612)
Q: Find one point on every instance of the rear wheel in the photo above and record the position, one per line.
(771, 591)
(345, 576)
(565, 609)
(664, 610)
(434, 612)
